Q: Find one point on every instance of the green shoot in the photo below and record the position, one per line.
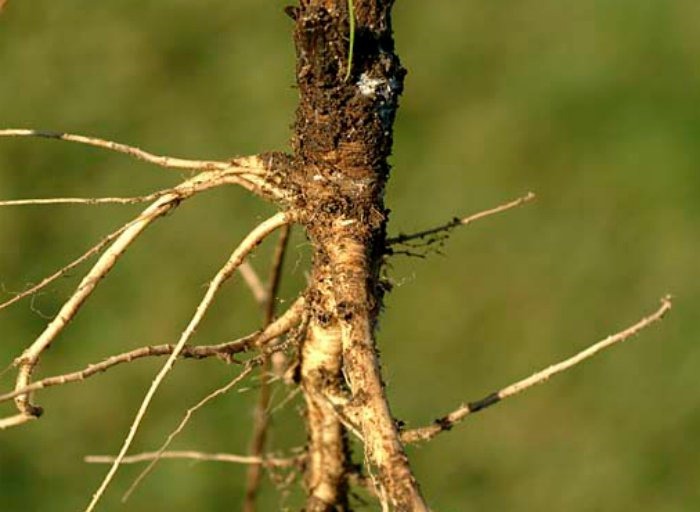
(351, 19)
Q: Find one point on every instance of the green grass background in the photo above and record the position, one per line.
(591, 104)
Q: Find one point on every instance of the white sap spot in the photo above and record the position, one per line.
(368, 86)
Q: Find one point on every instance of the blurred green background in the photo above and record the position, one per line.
(593, 105)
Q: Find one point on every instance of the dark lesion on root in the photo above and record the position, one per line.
(488, 401)
(35, 411)
(445, 423)
(421, 240)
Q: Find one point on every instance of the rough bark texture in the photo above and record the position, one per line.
(342, 138)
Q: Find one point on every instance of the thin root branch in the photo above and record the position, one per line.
(120, 241)
(261, 416)
(255, 284)
(167, 198)
(447, 422)
(429, 235)
(197, 456)
(84, 200)
(95, 249)
(224, 351)
(234, 261)
(30, 357)
(185, 419)
(247, 165)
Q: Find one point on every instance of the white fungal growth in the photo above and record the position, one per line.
(368, 86)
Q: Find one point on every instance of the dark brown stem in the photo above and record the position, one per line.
(343, 137)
